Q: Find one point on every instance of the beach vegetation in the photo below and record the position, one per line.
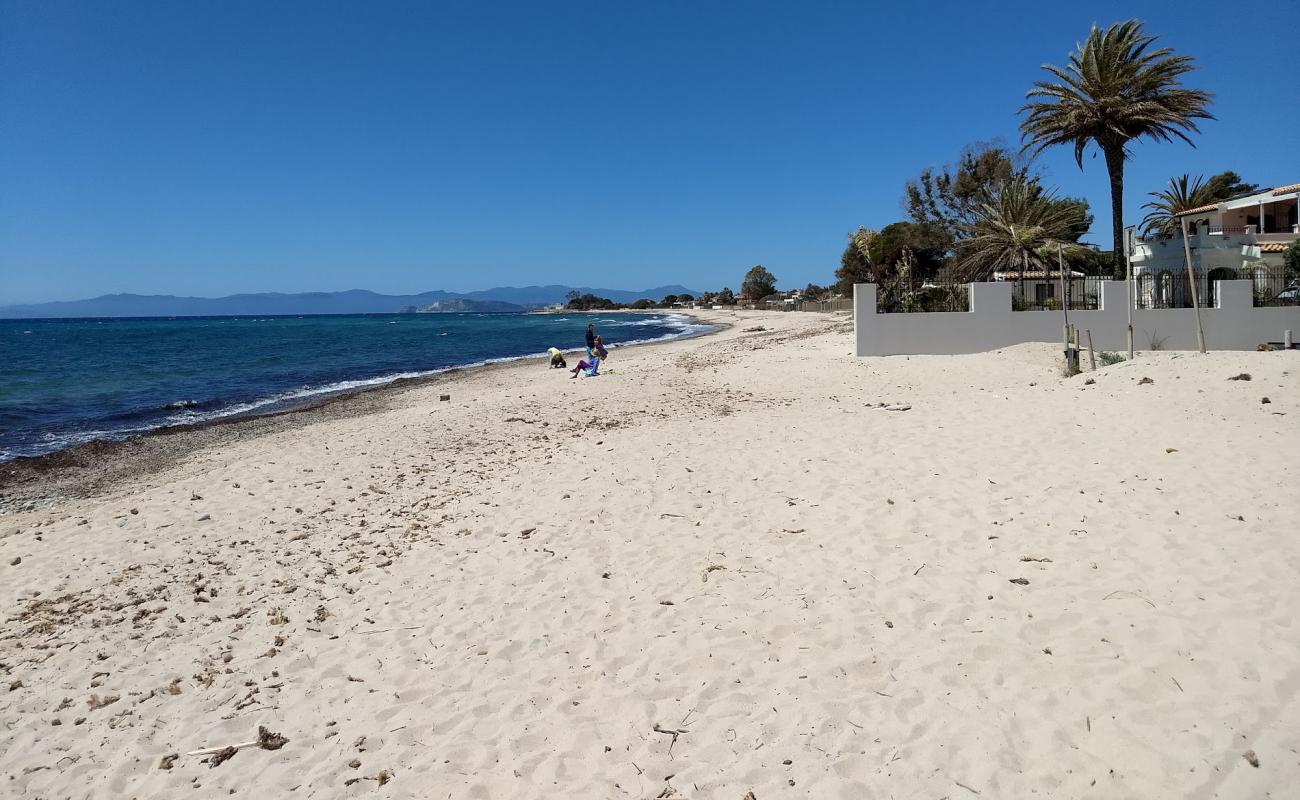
(1108, 358)
(1017, 226)
(643, 303)
(1291, 262)
(758, 283)
(1181, 195)
(1116, 88)
(590, 302)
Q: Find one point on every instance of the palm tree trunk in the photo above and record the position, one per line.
(1115, 167)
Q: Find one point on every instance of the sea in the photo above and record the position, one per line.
(64, 382)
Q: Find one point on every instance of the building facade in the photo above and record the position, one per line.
(1239, 238)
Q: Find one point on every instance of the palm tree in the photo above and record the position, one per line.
(1017, 226)
(1115, 89)
(1182, 195)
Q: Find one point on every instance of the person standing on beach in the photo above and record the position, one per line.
(591, 341)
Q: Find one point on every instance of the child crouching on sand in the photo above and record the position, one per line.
(557, 358)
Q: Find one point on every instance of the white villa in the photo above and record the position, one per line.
(1242, 237)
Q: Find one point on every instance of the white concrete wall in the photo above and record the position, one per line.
(990, 324)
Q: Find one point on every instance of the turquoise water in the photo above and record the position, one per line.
(66, 382)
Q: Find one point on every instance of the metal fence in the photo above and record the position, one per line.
(1081, 293)
(1172, 288)
(825, 306)
(894, 297)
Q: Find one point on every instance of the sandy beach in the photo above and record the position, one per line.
(742, 563)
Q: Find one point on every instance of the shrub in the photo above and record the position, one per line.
(1107, 358)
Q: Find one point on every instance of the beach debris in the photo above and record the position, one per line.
(16, 561)
(710, 568)
(674, 732)
(1240, 376)
(1020, 581)
(967, 788)
(1171, 449)
(222, 756)
(1264, 401)
(755, 329)
(1251, 758)
(666, 602)
(1088, 382)
(442, 398)
(195, 496)
(167, 761)
(266, 740)
(96, 702)
(354, 763)
(203, 518)
(1037, 560)
(899, 407)
(1127, 593)
(605, 575)
(15, 685)
(749, 796)
(1145, 381)
(889, 624)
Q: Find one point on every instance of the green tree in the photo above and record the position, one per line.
(1227, 184)
(1017, 227)
(927, 242)
(758, 283)
(668, 300)
(726, 297)
(1115, 89)
(855, 262)
(1181, 195)
(948, 196)
(643, 303)
(1291, 262)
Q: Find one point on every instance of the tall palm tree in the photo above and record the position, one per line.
(1114, 90)
(1017, 226)
(1183, 194)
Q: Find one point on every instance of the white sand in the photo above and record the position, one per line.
(858, 635)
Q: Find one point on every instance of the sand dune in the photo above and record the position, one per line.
(723, 567)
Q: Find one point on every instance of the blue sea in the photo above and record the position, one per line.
(64, 382)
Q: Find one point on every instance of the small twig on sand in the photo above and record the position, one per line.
(918, 569)
(386, 630)
(674, 733)
(967, 788)
(1127, 593)
(710, 568)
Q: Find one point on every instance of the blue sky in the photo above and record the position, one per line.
(208, 147)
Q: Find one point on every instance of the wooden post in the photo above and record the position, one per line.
(1129, 235)
(1065, 304)
(1191, 277)
(1092, 354)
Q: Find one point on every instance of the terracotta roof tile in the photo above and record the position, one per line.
(1199, 210)
(1286, 189)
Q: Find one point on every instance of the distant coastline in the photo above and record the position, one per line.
(355, 301)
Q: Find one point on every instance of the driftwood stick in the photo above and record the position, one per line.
(207, 751)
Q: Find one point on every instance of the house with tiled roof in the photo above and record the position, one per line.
(1242, 237)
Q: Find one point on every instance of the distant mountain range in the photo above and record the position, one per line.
(355, 301)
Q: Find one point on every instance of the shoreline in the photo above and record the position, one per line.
(733, 564)
(89, 468)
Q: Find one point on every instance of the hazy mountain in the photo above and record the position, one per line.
(355, 301)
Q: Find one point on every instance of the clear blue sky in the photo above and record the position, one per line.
(213, 147)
